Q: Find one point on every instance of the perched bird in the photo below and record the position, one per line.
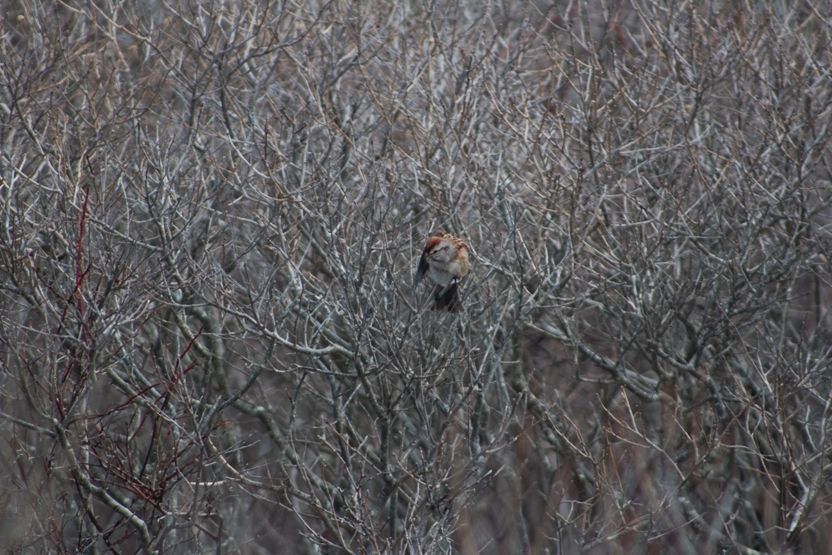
(445, 261)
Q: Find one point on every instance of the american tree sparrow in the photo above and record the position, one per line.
(445, 261)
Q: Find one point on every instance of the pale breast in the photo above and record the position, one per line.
(440, 273)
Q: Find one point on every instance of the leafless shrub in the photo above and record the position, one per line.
(211, 216)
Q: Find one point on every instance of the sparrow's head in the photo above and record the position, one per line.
(440, 247)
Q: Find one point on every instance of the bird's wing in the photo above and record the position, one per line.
(420, 271)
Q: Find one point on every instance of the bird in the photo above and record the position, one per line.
(445, 261)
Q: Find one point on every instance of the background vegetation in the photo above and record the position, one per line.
(211, 215)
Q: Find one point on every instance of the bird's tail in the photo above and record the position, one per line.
(448, 297)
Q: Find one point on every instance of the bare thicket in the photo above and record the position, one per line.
(211, 216)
